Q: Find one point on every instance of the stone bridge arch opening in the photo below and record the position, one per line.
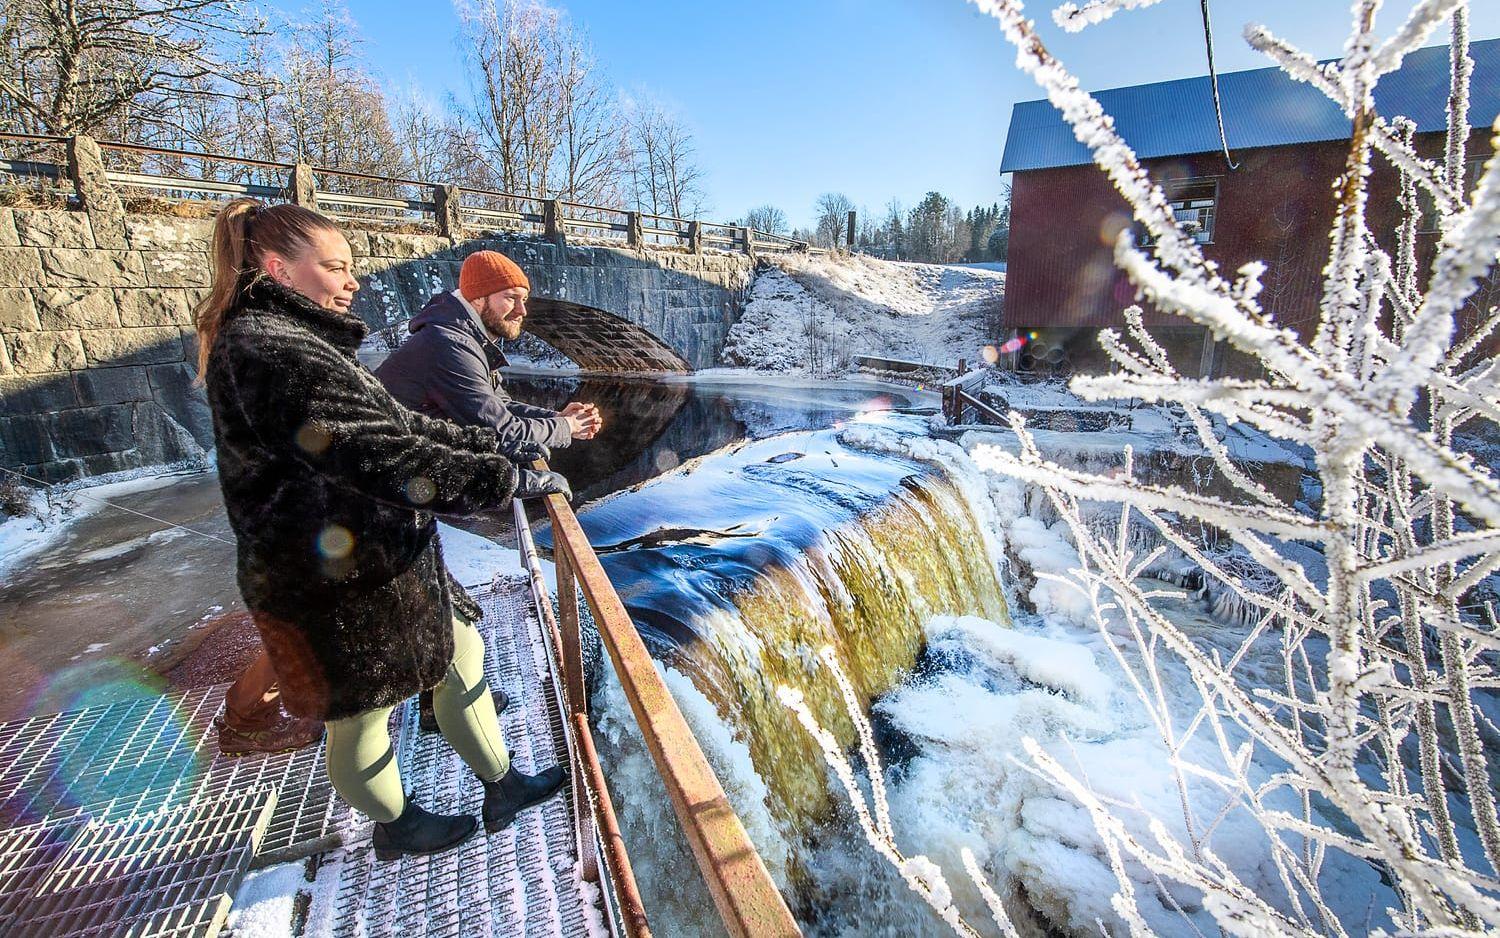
(600, 341)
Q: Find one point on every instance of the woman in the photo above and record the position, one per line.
(330, 485)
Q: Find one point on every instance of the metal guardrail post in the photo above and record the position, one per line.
(303, 187)
(568, 623)
(632, 907)
(742, 889)
(552, 221)
(450, 222)
(575, 695)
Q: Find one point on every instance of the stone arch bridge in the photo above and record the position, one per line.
(96, 336)
(607, 308)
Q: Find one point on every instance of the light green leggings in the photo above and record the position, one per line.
(362, 763)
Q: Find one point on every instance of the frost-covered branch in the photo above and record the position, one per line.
(1075, 18)
(1388, 642)
(920, 874)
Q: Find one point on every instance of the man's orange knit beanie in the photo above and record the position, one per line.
(486, 272)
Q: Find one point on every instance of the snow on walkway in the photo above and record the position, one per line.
(522, 881)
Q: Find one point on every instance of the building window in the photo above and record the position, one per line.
(1428, 224)
(1194, 203)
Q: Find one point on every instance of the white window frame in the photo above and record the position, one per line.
(1184, 198)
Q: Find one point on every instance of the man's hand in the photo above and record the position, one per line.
(583, 420)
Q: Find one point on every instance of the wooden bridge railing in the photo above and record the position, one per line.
(961, 398)
(440, 208)
(747, 899)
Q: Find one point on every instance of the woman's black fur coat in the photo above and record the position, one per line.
(330, 486)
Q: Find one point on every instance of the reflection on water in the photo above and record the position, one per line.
(652, 426)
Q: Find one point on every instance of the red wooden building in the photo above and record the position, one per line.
(1289, 143)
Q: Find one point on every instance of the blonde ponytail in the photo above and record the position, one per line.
(244, 230)
(230, 258)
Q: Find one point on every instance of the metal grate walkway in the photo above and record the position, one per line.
(139, 756)
(521, 881)
(169, 872)
(124, 819)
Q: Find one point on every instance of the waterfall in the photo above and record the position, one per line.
(867, 589)
(738, 568)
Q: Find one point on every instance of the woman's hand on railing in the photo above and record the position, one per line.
(535, 483)
(527, 452)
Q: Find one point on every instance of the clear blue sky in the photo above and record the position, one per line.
(875, 98)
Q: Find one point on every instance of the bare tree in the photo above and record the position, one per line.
(424, 137)
(546, 124)
(258, 132)
(111, 66)
(767, 218)
(664, 175)
(333, 104)
(513, 50)
(833, 210)
(593, 147)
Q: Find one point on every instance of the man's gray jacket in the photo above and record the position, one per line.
(447, 368)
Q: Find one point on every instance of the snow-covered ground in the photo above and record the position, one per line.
(813, 314)
(23, 537)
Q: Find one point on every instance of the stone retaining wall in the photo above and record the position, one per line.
(95, 343)
(97, 348)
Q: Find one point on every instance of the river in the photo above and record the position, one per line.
(747, 524)
(116, 589)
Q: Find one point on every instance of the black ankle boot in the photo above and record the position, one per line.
(427, 720)
(514, 792)
(417, 831)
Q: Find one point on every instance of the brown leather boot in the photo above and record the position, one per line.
(287, 734)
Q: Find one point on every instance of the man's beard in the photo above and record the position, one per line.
(504, 328)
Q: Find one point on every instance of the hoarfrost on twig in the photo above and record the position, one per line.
(1385, 653)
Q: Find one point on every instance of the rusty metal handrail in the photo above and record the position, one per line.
(190, 154)
(34, 138)
(587, 778)
(369, 177)
(746, 897)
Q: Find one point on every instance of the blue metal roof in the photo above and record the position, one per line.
(1262, 108)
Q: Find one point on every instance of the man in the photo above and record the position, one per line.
(449, 368)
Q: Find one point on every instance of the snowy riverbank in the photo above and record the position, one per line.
(813, 314)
